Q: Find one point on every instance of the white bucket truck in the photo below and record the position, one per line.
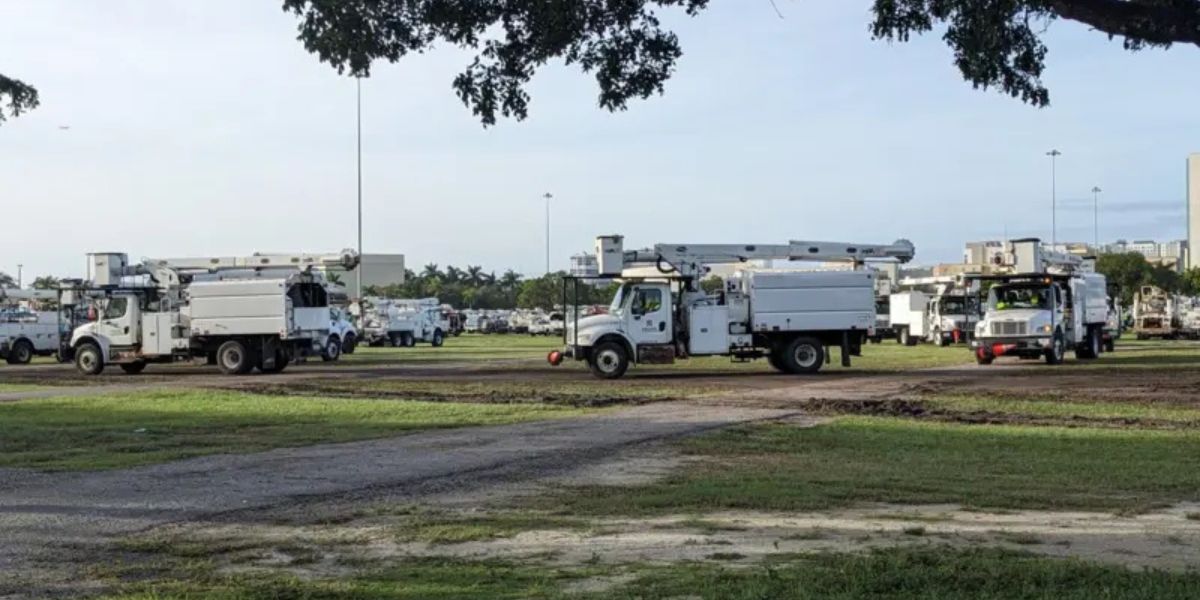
(1156, 314)
(26, 332)
(403, 323)
(1047, 303)
(240, 313)
(938, 309)
(660, 313)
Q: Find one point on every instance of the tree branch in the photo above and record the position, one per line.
(21, 97)
(1140, 22)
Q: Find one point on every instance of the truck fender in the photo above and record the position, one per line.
(103, 344)
(621, 339)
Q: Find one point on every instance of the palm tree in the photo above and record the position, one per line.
(431, 272)
(510, 279)
(7, 281)
(45, 282)
(475, 274)
(490, 278)
(453, 274)
(333, 278)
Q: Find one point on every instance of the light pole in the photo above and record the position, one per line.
(548, 196)
(1096, 215)
(20, 267)
(359, 269)
(1053, 154)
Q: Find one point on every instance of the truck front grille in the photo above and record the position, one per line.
(1010, 328)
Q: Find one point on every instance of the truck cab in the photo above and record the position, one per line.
(950, 318)
(1040, 317)
(638, 317)
(126, 332)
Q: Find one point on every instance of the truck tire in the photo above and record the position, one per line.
(1110, 345)
(89, 360)
(984, 357)
(803, 355)
(234, 359)
(439, 338)
(609, 360)
(349, 344)
(407, 339)
(1090, 348)
(774, 359)
(1057, 351)
(133, 368)
(332, 350)
(281, 363)
(20, 353)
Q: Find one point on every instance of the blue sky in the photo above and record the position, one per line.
(203, 128)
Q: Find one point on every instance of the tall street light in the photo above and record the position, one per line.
(1053, 154)
(548, 196)
(20, 269)
(359, 269)
(1096, 215)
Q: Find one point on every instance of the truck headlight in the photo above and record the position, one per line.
(1044, 329)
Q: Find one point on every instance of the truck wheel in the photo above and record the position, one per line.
(1110, 345)
(803, 355)
(233, 358)
(333, 349)
(773, 359)
(349, 344)
(609, 360)
(88, 359)
(1057, 350)
(984, 357)
(438, 338)
(281, 363)
(21, 353)
(1090, 348)
(133, 368)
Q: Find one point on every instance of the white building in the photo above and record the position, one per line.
(1193, 209)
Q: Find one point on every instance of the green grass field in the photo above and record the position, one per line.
(856, 460)
(105, 432)
(932, 573)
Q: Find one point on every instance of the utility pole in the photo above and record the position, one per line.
(548, 196)
(358, 292)
(1054, 154)
(1096, 215)
(20, 267)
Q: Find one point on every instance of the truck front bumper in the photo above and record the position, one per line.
(1011, 346)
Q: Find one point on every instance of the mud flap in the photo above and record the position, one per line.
(270, 354)
(845, 349)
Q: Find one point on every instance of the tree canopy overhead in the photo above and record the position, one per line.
(623, 44)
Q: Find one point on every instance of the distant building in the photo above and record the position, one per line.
(1193, 210)
(1171, 254)
(584, 265)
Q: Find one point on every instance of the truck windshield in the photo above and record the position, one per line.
(954, 306)
(1018, 297)
(618, 299)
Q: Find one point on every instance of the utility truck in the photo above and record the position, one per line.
(403, 323)
(938, 309)
(1040, 304)
(1156, 314)
(240, 313)
(661, 314)
(25, 332)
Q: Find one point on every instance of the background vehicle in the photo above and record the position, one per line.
(403, 323)
(240, 313)
(26, 332)
(1155, 314)
(1049, 303)
(660, 313)
(940, 310)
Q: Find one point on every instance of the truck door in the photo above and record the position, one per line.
(650, 314)
(118, 321)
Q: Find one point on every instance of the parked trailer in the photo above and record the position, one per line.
(661, 314)
(1049, 303)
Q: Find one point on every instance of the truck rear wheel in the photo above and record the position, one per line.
(439, 338)
(20, 353)
(803, 355)
(133, 368)
(1090, 348)
(609, 360)
(281, 363)
(88, 359)
(776, 362)
(234, 359)
(349, 344)
(1110, 345)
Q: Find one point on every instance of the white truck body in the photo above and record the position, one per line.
(1049, 304)
(403, 323)
(1156, 314)
(25, 334)
(243, 313)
